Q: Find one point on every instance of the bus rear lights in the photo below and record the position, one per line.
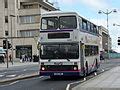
(75, 68)
(43, 68)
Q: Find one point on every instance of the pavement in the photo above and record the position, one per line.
(109, 80)
(3, 66)
(10, 65)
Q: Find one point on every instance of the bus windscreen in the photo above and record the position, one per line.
(59, 51)
(63, 22)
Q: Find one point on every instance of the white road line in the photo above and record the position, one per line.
(9, 84)
(41, 76)
(68, 86)
(13, 82)
(25, 70)
(10, 76)
(1, 75)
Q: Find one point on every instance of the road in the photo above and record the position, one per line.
(45, 83)
(17, 71)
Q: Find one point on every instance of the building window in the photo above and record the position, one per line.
(6, 19)
(6, 3)
(6, 33)
(29, 19)
(27, 33)
(30, 6)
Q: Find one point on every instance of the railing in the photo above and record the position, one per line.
(112, 55)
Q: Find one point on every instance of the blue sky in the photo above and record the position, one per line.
(89, 9)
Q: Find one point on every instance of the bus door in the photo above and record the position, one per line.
(82, 57)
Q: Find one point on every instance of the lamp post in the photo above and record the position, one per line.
(107, 13)
(116, 25)
(11, 16)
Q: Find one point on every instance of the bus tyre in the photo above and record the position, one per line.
(84, 72)
(96, 64)
(86, 65)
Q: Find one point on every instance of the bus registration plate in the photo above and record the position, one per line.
(58, 74)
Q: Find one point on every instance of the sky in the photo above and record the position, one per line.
(89, 10)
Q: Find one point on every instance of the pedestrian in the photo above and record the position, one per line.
(21, 58)
(10, 58)
(101, 55)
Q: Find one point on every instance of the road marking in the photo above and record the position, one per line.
(13, 83)
(25, 70)
(9, 84)
(68, 86)
(41, 77)
(10, 76)
(1, 75)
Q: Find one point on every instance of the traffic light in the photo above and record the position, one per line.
(9, 45)
(4, 44)
(118, 42)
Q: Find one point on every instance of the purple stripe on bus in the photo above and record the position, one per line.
(55, 31)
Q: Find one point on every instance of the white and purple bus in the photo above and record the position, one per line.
(69, 45)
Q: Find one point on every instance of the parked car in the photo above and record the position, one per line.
(2, 55)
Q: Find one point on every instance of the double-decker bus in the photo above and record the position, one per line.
(69, 45)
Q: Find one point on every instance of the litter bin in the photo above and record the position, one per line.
(35, 58)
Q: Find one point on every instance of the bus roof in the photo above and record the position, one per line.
(52, 13)
(62, 13)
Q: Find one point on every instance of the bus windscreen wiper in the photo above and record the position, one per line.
(68, 59)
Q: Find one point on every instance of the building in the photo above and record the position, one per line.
(105, 40)
(20, 23)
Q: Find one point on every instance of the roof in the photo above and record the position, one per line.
(58, 12)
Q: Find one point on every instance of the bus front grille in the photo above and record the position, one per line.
(59, 67)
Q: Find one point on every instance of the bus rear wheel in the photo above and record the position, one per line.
(96, 64)
(86, 65)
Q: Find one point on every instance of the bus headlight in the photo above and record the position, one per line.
(43, 68)
(75, 68)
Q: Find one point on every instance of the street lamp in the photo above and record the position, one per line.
(107, 13)
(115, 24)
(11, 16)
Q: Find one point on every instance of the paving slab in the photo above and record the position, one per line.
(109, 80)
